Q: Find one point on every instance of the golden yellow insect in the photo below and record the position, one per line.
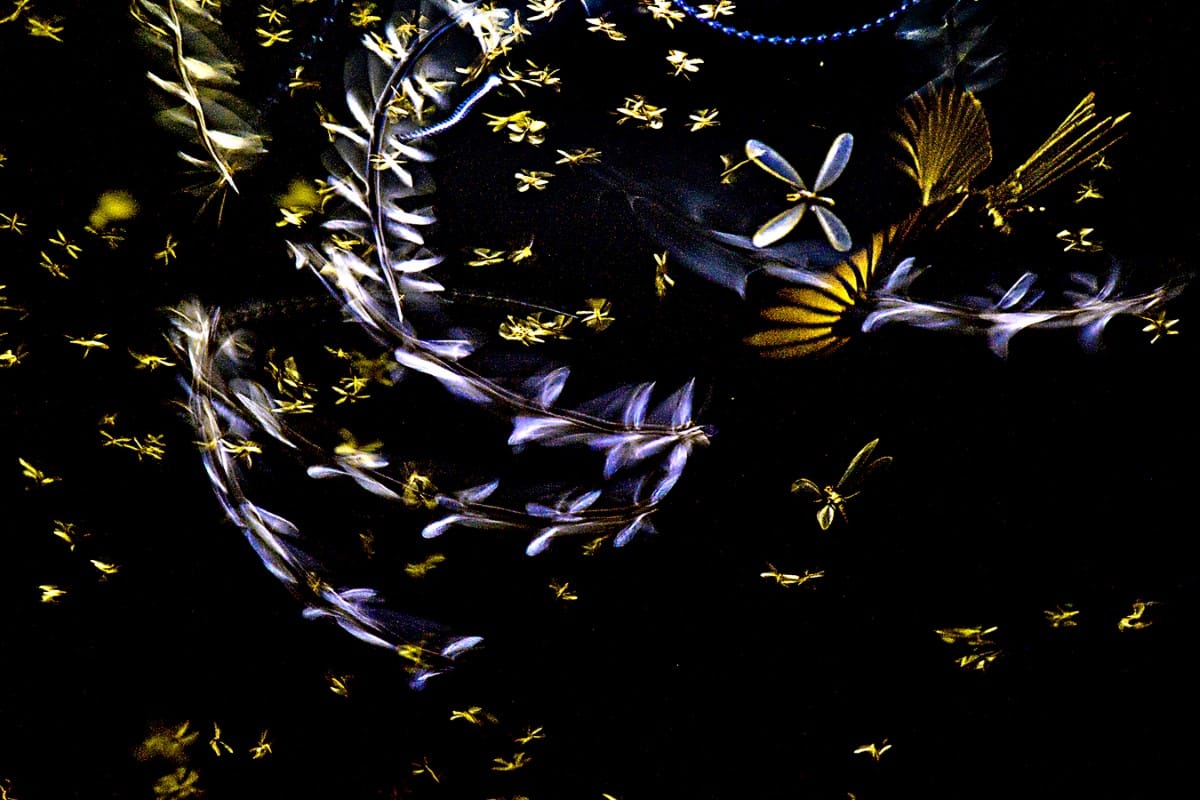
(832, 498)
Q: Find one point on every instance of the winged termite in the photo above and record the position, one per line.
(833, 498)
(782, 224)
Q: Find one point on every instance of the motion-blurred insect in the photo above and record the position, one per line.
(790, 578)
(218, 745)
(1135, 621)
(262, 749)
(781, 225)
(475, 715)
(36, 475)
(833, 498)
(873, 750)
(530, 735)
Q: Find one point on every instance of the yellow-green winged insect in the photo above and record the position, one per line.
(833, 498)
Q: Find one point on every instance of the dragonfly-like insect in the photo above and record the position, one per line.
(782, 224)
(833, 498)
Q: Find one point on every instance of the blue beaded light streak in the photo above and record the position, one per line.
(790, 41)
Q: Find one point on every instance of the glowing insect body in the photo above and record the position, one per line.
(833, 498)
(782, 224)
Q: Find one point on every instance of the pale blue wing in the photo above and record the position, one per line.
(1015, 295)
(780, 226)
(835, 231)
(835, 162)
(772, 162)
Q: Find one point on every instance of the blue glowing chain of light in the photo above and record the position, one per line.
(789, 41)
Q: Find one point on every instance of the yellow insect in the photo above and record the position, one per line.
(682, 64)
(67, 532)
(788, 578)
(663, 10)
(268, 38)
(12, 222)
(34, 474)
(218, 745)
(475, 715)
(53, 267)
(721, 8)
(273, 16)
(703, 118)
(873, 750)
(543, 9)
(44, 28)
(531, 734)
(422, 768)
(244, 449)
(486, 257)
(600, 25)
(150, 361)
(662, 280)
(338, 684)
(1134, 620)
(535, 179)
(262, 749)
(168, 252)
(1078, 241)
(523, 253)
(419, 569)
(518, 761)
(585, 155)
(105, 568)
(598, 315)
(833, 498)
(1088, 191)
(1062, 617)
(1159, 326)
(73, 250)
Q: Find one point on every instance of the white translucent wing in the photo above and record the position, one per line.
(772, 162)
(1016, 294)
(835, 231)
(779, 226)
(835, 161)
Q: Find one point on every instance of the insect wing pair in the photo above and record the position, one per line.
(781, 225)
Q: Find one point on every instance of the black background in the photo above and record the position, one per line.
(1055, 476)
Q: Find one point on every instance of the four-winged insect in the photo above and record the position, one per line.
(779, 226)
(834, 497)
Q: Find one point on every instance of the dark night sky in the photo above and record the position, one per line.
(1055, 476)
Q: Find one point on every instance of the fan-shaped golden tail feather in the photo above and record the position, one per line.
(947, 141)
(1079, 140)
(812, 314)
